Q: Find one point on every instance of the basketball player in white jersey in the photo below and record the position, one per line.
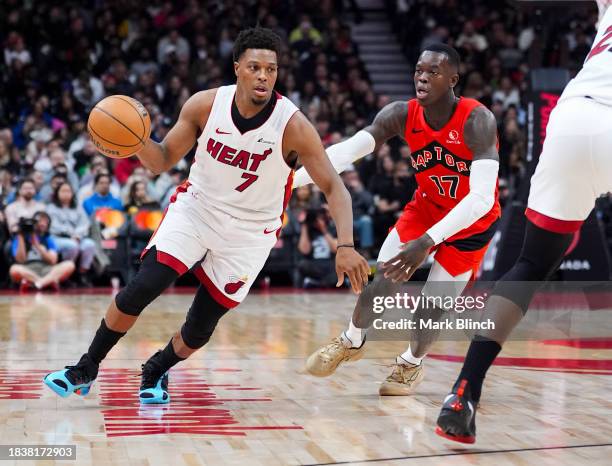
(223, 221)
(575, 168)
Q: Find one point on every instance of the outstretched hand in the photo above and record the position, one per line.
(351, 263)
(401, 267)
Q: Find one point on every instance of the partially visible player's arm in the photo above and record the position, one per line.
(480, 135)
(603, 6)
(160, 157)
(389, 122)
(302, 138)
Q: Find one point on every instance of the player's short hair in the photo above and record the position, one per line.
(256, 38)
(453, 56)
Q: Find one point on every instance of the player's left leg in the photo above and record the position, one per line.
(407, 372)
(202, 318)
(226, 274)
(350, 344)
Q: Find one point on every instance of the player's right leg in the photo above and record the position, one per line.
(573, 170)
(540, 256)
(152, 278)
(350, 344)
(173, 249)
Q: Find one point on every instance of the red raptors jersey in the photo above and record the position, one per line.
(442, 161)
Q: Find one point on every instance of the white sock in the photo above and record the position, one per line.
(354, 335)
(408, 357)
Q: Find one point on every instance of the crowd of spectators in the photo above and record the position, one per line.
(499, 43)
(60, 58)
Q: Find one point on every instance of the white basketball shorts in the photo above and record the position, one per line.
(225, 253)
(575, 166)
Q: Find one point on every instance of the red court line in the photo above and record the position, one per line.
(590, 343)
(548, 363)
(568, 371)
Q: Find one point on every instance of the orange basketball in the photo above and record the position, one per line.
(119, 126)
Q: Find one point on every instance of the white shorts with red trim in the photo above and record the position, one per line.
(225, 253)
(575, 167)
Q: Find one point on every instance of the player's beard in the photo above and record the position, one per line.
(260, 102)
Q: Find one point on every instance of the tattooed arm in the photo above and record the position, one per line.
(480, 134)
(389, 122)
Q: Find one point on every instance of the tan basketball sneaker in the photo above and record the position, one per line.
(403, 380)
(325, 360)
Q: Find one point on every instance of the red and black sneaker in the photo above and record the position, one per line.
(457, 419)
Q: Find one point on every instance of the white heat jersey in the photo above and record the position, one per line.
(243, 175)
(595, 78)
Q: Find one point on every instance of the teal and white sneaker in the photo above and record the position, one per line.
(154, 383)
(73, 379)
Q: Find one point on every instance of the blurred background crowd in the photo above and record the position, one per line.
(92, 214)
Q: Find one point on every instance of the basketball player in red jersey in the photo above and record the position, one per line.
(222, 223)
(453, 142)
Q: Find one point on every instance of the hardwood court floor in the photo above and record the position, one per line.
(244, 399)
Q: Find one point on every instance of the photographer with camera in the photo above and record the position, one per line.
(23, 206)
(318, 246)
(35, 253)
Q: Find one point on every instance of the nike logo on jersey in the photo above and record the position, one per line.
(218, 131)
(415, 130)
(263, 141)
(267, 232)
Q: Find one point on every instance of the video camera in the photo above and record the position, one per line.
(26, 225)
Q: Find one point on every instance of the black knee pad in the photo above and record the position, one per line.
(540, 256)
(202, 319)
(150, 281)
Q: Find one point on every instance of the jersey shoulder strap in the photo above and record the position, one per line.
(464, 110)
(413, 108)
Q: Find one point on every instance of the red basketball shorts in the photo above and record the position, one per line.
(460, 253)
